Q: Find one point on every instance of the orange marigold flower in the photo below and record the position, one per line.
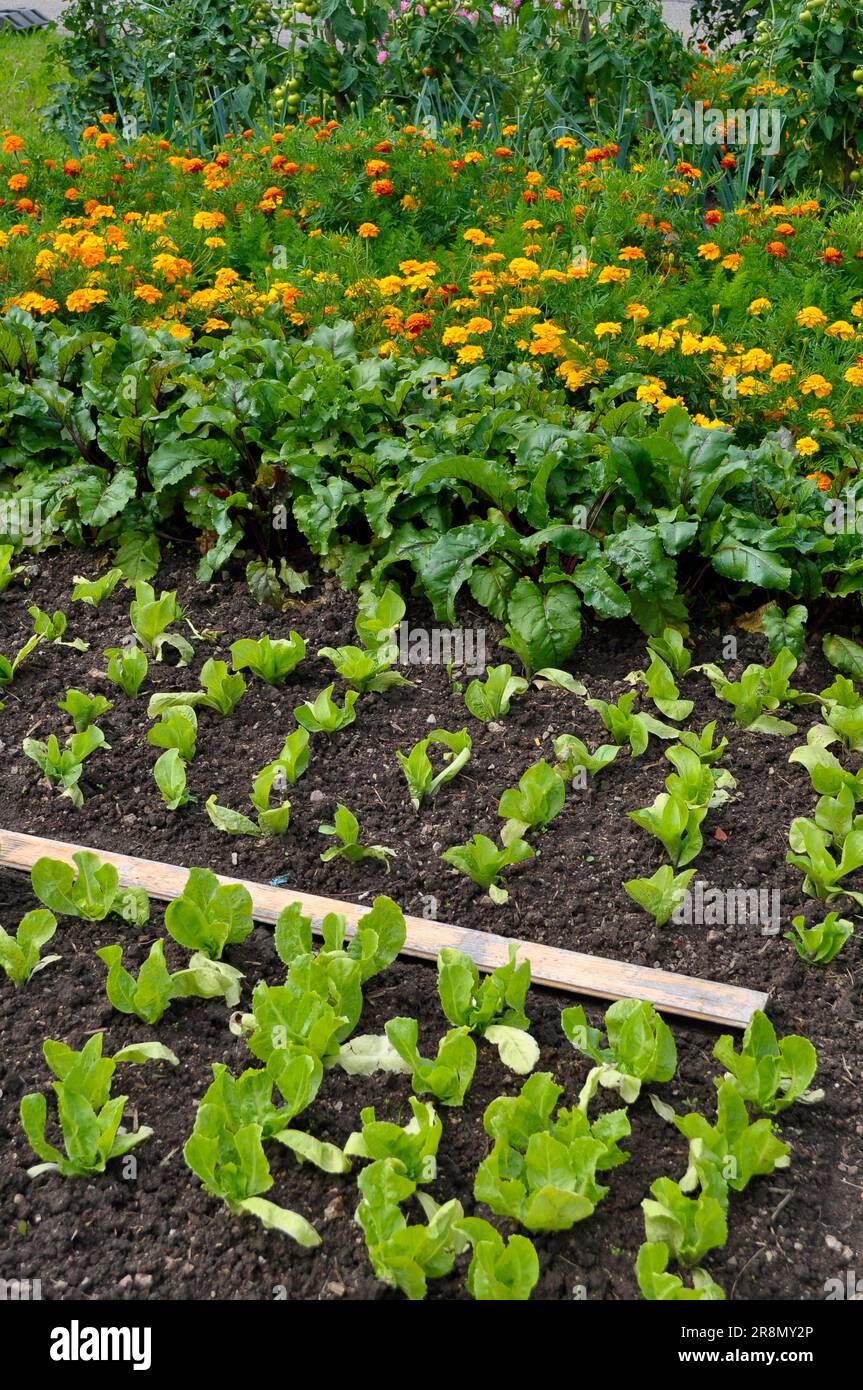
(12, 144)
(368, 230)
(382, 188)
(822, 480)
(80, 301)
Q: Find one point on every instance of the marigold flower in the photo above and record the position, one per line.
(822, 480)
(81, 301)
(607, 330)
(470, 354)
(854, 376)
(368, 230)
(807, 445)
(759, 306)
(816, 385)
(709, 251)
(382, 188)
(810, 317)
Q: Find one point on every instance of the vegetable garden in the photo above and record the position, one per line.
(439, 499)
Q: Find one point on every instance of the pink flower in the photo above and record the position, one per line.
(382, 56)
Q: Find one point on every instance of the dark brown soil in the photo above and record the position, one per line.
(160, 1235)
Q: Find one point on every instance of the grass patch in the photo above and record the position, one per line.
(30, 65)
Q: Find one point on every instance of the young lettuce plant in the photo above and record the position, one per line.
(89, 1116)
(225, 1150)
(670, 647)
(770, 1075)
(661, 687)
(826, 773)
(21, 954)
(271, 661)
(676, 824)
(50, 627)
(640, 1049)
(84, 709)
(276, 776)
(346, 828)
(367, 670)
(418, 769)
(63, 766)
(149, 996)
(703, 744)
(95, 591)
(219, 691)
(91, 893)
(689, 1227)
(481, 860)
(494, 1008)
(490, 699)
(151, 617)
(656, 1284)
(532, 805)
(500, 1271)
(575, 761)
(760, 688)
(127, 667)
(660, 894)
(727, 1155)
(823, 875)
(379, 614)
(323, 716)
(208, 915)
(402, 1255)
(449, 1074)
(169, 773)
(625, 726)
(8, 571)
(176, 727)
(818, 945)
(541, 1171)
(413, 1145)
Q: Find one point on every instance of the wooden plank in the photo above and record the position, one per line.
(571, 971)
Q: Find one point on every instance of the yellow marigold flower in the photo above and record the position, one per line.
(807, 445)
(756, 360)
(531, 225)
(811, 317)
(81, 301)
(630, 253)
(148, 293)
(389, 285)
(478, 325)
(841, 328)
(816, 385)
(566, 142)
(533, 178)
(367, 230)
(732, 262)
(454, 335)
(709, 251)
(33, 303)
(759, 306)
(613, 275)
(409, 203)
(857, 308)
(854, 376)
(470, 354)
(477, 237)
(215, 325)
(208, 221)
(637, 312)
(523, 269)
(607, 330)
(782, 372)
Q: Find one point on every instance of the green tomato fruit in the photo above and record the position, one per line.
(857, 74)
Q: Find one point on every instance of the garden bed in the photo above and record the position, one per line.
(160, 1235)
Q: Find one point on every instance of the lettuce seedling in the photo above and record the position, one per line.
(365, 670)
(51, 627)
(658, 1285)
(226, 1152)
(640, 1049)
(769, 1074)
(127, 667)
(169, 772)
(95, 591)
(272, 820)
(449, 1075)
(380, 613)
(573, 756)
(89, 1116)
(177, 728)
(675, 823)
(735, 1149)
(291, 1021)
(406, 1256)
(662, 689)
(760, 688)
(84, 709)
(377, 940)
(671, 649)
(8, 571)
(688, 1226)
(289, 766)
(627, 727)
(323, 716)
(155, 988)
(660, 894)
(490, 699)
(702, 744)
(481, 860)
(823, 875)
(500, 1271)
(220, 691)
(271, 661)
(417, 765)
(843, 724)
(534, 804)
(21, 954)
(151, 617)
(413, 1146)
(542, 1172)
(346, 828)
(8, 668)
(818, 945)
(493, 1008)
(63, 767)
(208, 915)
(90, 893)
